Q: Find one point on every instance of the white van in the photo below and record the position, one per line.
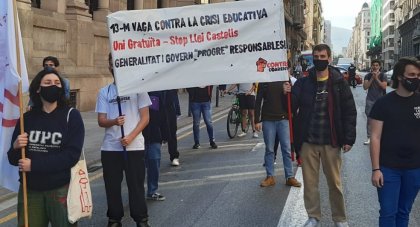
(344, 62)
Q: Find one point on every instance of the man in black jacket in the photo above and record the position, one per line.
(325, 124)
(352, 75)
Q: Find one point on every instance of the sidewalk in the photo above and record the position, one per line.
(94, 134)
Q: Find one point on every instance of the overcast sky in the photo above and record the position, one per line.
(342, 13)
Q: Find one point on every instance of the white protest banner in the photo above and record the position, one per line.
(222, 43)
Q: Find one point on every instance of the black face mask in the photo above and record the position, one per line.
(50, 93)
(411, 84)
(321, 65)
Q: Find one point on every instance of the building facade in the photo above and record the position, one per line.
(294, 22)
(327, 33)
(407, 15)
(388, 33)
(359, 42)
(314, 24)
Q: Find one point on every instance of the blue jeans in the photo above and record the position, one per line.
(397, 195)
(281, 129)
(153, 154)
(197, 108)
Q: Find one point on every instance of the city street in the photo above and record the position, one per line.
(221, 187)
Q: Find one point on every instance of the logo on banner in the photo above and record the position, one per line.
(261, 64)
(272, 66)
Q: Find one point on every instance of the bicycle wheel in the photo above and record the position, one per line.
(232, 123)
(247, 125)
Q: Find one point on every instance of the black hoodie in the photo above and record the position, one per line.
(54, 146)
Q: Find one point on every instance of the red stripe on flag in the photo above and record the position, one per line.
(1, 107)
(8, 123)
(12, 98)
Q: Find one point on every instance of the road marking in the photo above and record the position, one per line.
(294, 213)
(6, 205)
(229, 177)
(202, 125)
(188, 127)
(8, 218)
(258, 146)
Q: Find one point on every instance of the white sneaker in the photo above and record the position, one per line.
(175, 162)
(242, 134)
(341, 224)
(367, 142)
(311, 222)
(255, 135)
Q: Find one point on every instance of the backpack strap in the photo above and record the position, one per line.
(82, 155)
(68, 114)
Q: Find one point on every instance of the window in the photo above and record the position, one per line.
(93, 5)
(73, 98)
(130, 4)
(36, 3)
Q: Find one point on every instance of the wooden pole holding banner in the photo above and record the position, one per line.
(22, 151)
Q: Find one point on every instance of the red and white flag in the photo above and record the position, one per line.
(9, 95)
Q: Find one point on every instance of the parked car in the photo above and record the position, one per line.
(344, 71)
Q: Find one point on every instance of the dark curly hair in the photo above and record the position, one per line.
(35, 85)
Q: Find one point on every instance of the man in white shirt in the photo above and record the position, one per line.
(123, 154)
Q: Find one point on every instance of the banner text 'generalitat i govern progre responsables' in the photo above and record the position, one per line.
(198, 45)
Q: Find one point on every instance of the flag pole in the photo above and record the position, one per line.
(22, 151)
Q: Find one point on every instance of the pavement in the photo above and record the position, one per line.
(94, 134)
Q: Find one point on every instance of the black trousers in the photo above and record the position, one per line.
(114, 166)
(172, 138)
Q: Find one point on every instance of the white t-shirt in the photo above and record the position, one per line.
(130, 106)
(293, 80)
(245, 88)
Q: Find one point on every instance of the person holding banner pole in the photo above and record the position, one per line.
(272, 118)
(134, 118)
(53, 139)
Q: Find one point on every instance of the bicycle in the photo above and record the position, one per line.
(234, 119)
